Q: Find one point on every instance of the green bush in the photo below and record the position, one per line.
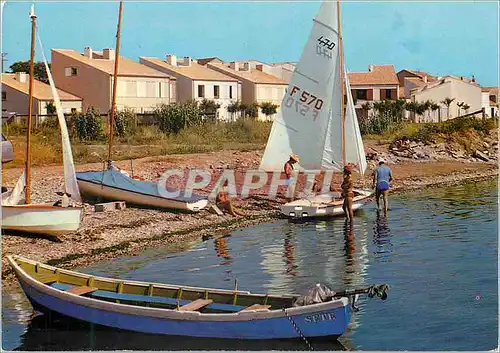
(175, 117)
(88, 126)
(268, 109)
(125, 123)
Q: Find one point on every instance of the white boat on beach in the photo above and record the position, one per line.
(18, 213)
(317, 120)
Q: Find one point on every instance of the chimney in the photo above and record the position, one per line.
(108, 54)
(260, 67)
(370, 68)
(22, 77)
(425, 78)
(234, 65)
(461, 78)
(171, 59)
(246, 66)
(87, 52)
(473, 79)
(187, 61)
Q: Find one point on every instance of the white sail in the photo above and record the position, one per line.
(355, 151)
(301, 125)
(15, 196)
(71, 186)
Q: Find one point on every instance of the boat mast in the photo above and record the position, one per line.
(30, 106)
(341, 62)
(115, 81)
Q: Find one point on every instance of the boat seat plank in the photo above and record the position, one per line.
(81, 290)
(48, 278)
(257, 307)
(195, 305)
(100, 294)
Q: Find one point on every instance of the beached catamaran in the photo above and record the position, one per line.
(314, 122)
(22, 215)
(184, 310)
(112, 184)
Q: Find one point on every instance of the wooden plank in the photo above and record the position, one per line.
(216, 210)
(109, 206)
(48, 278)
(195, 305)
(257, 307)
(81, 290)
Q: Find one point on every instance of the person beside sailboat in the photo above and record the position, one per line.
(288, 169)
(382, 176)
(348, 193)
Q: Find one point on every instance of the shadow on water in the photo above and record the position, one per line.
(51, 332)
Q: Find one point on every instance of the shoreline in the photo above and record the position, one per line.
(108, 235)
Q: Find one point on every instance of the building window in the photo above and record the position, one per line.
(493, 98)
(230, 92)
(201, 91)
(216, 91)
(71, 71)
(362, 94)
(159, 89)
(4, 96)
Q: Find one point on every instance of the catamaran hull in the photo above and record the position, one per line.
(329, 319)
(321, 205)
(41, 219)
(117, 194)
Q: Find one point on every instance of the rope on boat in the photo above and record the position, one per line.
(299, 332)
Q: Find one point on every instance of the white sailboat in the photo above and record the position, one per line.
(22, 215)
(313, 123)
(112, 184)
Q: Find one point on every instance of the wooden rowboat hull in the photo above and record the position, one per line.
(328, 319)
(322, 206)
(41, 219)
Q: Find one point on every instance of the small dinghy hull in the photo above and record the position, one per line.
(324, 205)
(113, 185)
(41, 219)
(200, 312)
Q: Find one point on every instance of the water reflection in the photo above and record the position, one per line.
(50, 332)
(382, 236)
(289, 255)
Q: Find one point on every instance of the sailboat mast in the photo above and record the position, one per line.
(341, 62)
(30, 106)
(115, 82)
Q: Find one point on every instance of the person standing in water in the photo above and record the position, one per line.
(288, 169)
(347, 193)
(382, 176)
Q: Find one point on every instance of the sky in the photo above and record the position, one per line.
(457, 38)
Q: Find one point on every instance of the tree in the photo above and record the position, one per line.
(252, 110)
(233, 108)
(209, 107)
(242, 107)
(434, 107)
(38, 68)
(447, 101)
(268, 109)
(460, 105)
(50, 108)
(466, 107)
(173, 118)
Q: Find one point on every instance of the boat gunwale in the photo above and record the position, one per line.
(44, 206)
(164, 313)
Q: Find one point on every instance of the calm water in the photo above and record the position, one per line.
(437, 250)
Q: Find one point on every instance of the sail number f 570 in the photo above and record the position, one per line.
(304, 103)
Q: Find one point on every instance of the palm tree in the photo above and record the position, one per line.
(466, 107)
(460, 105)
(233, 108)
(447, 101)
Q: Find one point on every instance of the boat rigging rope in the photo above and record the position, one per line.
(299, 332)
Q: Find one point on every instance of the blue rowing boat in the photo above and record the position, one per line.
(178, 310)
